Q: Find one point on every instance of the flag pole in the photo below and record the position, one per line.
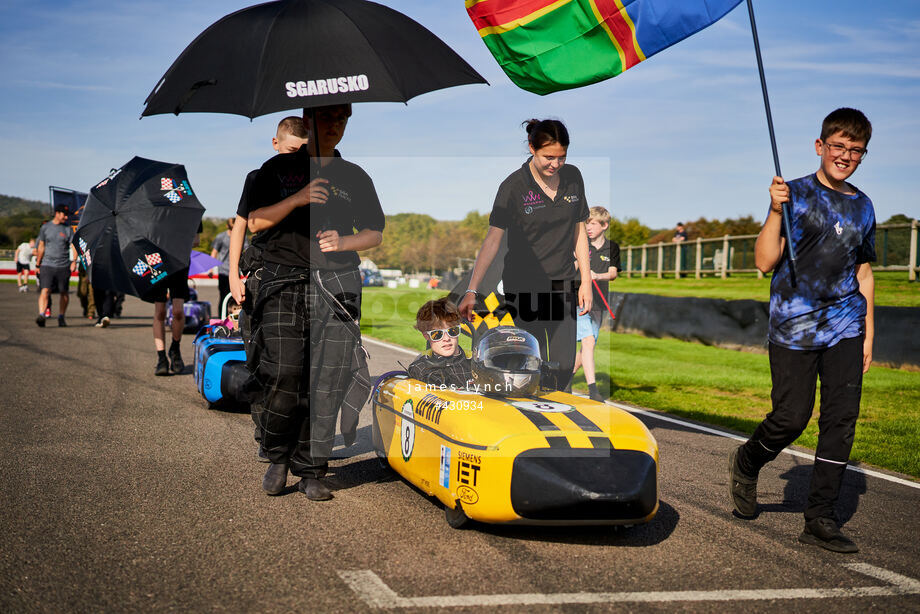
(787, 227)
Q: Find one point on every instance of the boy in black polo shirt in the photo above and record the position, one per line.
(605, 265)
(305, 344)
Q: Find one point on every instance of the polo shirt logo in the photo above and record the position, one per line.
(291, 183)
(571, 199)
(340, 193)
(532, 198)
(838, 228)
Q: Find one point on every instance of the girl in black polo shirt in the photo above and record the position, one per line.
(543, 209)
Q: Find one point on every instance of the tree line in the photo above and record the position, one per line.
(417, 242)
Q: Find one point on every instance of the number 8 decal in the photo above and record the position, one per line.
(407, 440)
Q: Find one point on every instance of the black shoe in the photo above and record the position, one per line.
(175, 361)
(825, 533)
(314, 489)
(262, 456)
(61, 321)
(40, 320)
(275, 478)
(741, 488)
(162, 366)
(594, 395)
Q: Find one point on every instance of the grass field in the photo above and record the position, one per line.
(717, 386)
(891, 288)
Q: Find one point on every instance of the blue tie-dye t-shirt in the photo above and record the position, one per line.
(832, 234)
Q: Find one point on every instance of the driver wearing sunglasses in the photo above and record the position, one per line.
(445, 364)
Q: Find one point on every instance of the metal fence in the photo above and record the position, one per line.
(896, 247)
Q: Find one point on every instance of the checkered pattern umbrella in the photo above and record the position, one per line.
(138, 226)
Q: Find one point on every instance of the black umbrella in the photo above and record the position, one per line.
(291, 54)
(138, 226)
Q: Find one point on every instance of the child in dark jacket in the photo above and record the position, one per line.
(445, 364)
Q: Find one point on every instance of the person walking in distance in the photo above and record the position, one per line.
(56, 259)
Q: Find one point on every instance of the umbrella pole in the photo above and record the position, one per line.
(314, 141)
(315, 166)
(787, 227)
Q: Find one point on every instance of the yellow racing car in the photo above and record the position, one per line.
(506, 451)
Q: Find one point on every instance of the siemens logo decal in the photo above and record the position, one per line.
(319, 87)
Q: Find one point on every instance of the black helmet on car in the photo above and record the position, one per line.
(506, 362)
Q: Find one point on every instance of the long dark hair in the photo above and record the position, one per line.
(543, 132)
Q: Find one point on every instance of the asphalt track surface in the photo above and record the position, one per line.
(123, 492)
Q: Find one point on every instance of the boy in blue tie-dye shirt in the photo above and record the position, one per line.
(821, 323)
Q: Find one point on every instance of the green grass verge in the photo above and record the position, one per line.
(891, 288)
(712, 385)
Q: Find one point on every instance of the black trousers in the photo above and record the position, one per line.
(794, 374)
(550, 317)
(105, 303)
(301, 354)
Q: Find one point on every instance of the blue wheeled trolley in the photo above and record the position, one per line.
(220, 367)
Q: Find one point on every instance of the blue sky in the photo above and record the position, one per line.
(677, 137)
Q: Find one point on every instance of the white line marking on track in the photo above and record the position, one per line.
(389, 346)
(659, 416)
(374, 592)
(705, 429)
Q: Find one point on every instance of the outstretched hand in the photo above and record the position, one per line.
(466, 306)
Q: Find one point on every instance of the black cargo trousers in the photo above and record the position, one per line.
(795, 374)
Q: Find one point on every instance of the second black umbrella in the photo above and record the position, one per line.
(138, 226)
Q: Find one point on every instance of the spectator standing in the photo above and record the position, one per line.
(175, 289)
(680, 233)
(220, 249)
(85, 292)
(604, 256)
(23, 258)
(56, 259)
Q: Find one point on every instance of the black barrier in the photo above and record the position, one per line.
(744, 324)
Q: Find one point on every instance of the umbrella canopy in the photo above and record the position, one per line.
(291, 54)
(138, 226)
(199, 262)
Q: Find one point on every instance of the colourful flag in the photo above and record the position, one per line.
(549, 45)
